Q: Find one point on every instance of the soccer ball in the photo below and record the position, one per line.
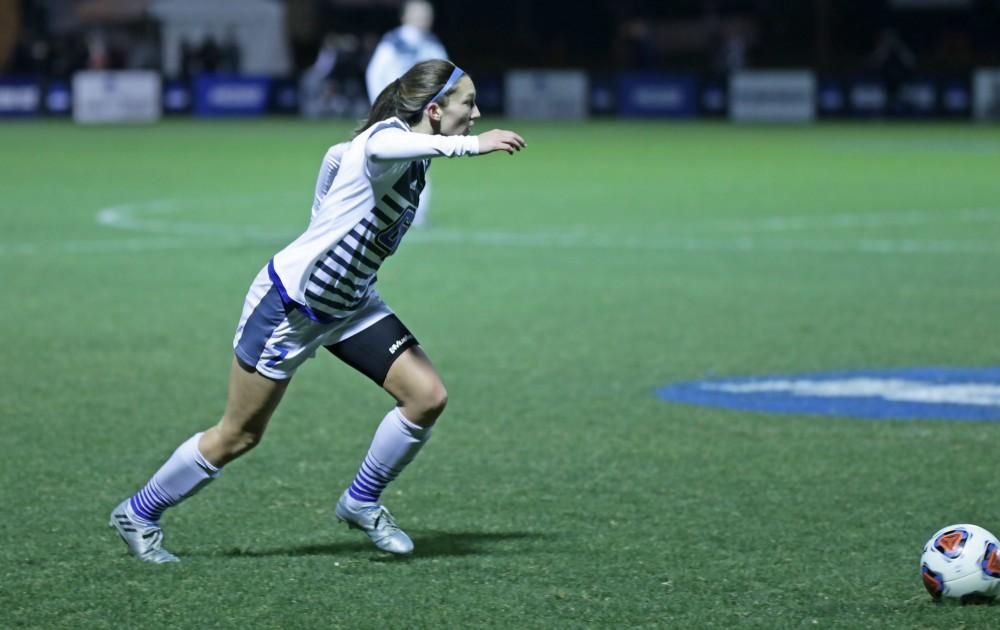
(962, 562)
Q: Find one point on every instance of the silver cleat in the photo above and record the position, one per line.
(144, 540)
(374, 520)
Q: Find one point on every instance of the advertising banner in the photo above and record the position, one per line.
(284, 97)
(772, 96)
(657, 95)
(552, 94)
(19, 97)
(831, 99)
(176, 97)
(116, 96)
(918, 97)
(986, 94)
(58, 99)
(713, 98)
(603, 96)
(867, 97)
(489, 94)
(222, 96)
(955, 97)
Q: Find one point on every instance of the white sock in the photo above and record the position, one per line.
(185, 473)
(397, 441)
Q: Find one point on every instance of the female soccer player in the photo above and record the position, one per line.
(319, 291)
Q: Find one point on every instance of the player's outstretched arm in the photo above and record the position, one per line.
(393, 144)
(500, 140)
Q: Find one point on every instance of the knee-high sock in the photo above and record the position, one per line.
(397, 441)
(185, 473)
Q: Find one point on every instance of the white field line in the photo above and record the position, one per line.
(868, 220)
(896, 389)
(971, 146)
(148, 218)
(697, 244)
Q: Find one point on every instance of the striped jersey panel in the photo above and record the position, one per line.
(341, 278)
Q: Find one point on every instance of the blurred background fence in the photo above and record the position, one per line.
(747, 60)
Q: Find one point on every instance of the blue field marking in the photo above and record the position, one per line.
(944, 393)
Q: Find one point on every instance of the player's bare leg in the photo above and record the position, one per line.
(416, 386)
(414, 383)
(251, 400)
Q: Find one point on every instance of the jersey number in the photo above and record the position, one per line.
(408, 187)
(388, 239)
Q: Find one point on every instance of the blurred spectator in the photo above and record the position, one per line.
(10, 27)
(69, 53)
(39, 54)
(400, 48)
(210, 54)
(98, 55)
(210, 57)
(332, 85)
(144, 50)
(230, 53)
(636, 45)
(891, 55)
(895, 63)
(190, 59)
(953, 51)
(731, 55)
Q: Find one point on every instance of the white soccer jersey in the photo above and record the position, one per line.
(367, 193)
(398, 51)
(327, 171)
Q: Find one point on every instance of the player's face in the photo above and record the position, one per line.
(461, 112)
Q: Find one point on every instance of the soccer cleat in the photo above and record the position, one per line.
(144, 540)
(374, 520)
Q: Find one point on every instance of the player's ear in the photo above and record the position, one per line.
(434, 112)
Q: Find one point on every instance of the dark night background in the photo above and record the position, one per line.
(613, 35)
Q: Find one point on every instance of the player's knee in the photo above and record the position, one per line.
(238, 442)
(438, 401)
(247, 440)
(428, 404)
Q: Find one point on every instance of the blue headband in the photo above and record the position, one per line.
(455, 76)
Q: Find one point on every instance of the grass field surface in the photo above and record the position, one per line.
(555, 291)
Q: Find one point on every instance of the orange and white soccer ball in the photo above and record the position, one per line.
(962, 562)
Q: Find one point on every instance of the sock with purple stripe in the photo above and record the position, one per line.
(185, 473)
(397, 441)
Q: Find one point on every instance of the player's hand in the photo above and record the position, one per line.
(500, 140)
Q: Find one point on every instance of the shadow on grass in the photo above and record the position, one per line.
(428, 544)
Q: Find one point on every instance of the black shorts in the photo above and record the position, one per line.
(373, 350)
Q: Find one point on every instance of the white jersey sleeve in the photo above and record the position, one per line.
(393, 144)
(327, 172)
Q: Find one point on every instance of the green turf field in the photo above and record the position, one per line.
(555, 291)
